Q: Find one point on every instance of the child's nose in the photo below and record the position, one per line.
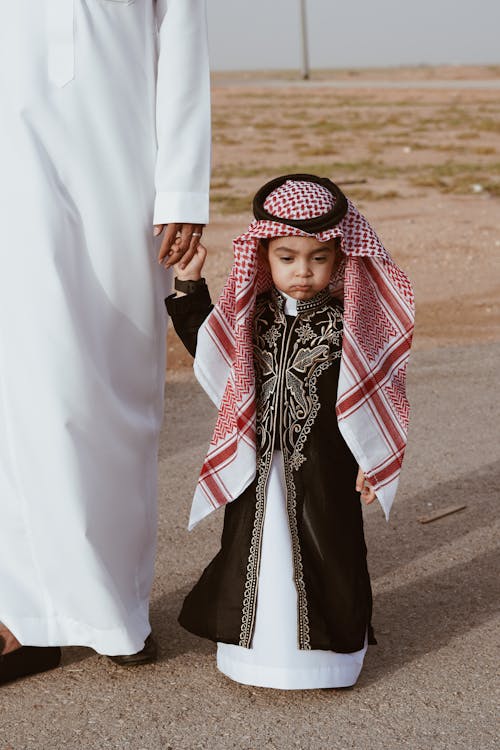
(304, 269)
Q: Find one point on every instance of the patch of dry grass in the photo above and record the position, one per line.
(460, 177)
(231, 203)
(364, 195)
(441, 141)
(468, 135)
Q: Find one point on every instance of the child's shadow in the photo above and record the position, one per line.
(404, 540)
(424, 615)
(428, 613)
(172, 639)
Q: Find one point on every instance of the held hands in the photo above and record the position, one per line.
(179, 242)
(363, 485)
(191, 270)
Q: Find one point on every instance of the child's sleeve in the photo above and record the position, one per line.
(188, 314)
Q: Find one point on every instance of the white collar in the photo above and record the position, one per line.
(290, 304)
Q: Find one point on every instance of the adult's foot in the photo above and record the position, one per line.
(8, 641)
(147, 655)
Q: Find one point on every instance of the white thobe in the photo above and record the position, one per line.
(104, 128)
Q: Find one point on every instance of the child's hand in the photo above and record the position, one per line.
(191, 271)
(363, 485)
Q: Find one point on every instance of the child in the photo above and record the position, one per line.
(312, 411)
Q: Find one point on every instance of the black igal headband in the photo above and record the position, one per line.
(313, 226)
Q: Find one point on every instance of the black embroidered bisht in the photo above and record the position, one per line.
(297, 362)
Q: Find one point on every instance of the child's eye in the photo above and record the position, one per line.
(320, 258)
(285, 258)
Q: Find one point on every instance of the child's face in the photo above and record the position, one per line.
(300, 266)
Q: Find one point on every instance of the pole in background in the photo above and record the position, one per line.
(305, 46)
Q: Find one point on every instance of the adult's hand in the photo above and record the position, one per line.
(179, 243)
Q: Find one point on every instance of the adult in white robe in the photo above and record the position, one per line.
(104, 130)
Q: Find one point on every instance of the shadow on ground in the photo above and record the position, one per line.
(404, 539)
(429, 613)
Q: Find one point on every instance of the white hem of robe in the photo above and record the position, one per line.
(64, 631)
(274, 660)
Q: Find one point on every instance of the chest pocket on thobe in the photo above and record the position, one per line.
(61, 38)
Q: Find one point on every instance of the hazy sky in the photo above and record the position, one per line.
(251, 34)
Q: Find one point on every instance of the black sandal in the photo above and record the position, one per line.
(27, 660)
(147, 655)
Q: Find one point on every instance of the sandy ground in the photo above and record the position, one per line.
(430, 684)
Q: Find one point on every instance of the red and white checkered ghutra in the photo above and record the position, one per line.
(372, 407)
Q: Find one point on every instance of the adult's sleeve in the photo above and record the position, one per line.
(182, 175)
